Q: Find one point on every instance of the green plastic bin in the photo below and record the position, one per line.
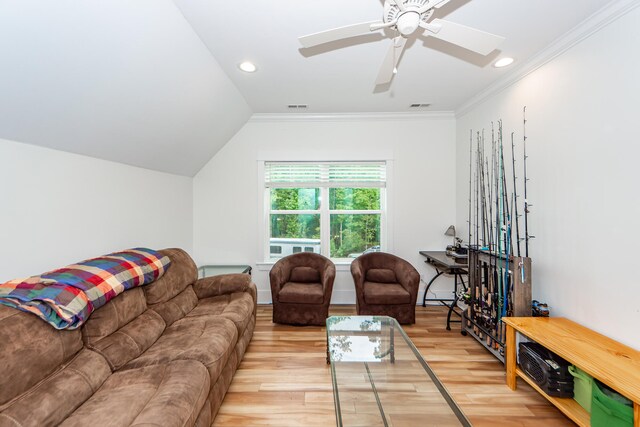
(582, 385)
(610, 409)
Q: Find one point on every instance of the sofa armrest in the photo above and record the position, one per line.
(222, 284)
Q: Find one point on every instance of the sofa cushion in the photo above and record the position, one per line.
(206, 339)
(381, 275)
(131, 340)
(385, 293)
(54, 399)
(167, 395)
(301, 293)
(183, 272)
(304, 275)
(30, 350)
(113, 316)
(123, 329)
(237, 307)
(177, 307)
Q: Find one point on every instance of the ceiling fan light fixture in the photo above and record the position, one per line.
(247, 67)
(408, 22)
(503, 62)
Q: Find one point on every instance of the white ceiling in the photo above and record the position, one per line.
(133, 82)
(340, 77)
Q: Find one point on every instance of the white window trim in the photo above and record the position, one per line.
(342, 264)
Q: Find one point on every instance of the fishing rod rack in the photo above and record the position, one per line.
(499, 267)
(481, 318)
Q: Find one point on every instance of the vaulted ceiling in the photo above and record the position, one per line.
(155, 83)
(121, 80)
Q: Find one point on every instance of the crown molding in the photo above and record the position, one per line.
(340, 117)
(586, 28)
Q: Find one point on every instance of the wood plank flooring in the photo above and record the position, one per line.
(284, 381)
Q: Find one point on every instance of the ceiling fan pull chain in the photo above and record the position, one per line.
(395, 46)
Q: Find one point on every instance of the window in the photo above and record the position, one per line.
(336, 209)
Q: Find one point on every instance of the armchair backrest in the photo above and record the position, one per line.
(302, 267)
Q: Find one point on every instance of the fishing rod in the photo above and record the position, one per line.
(507, 279)
(470, 162)
(484, 280)
(490, 204)
(497, 295)
(505, 199)
(515, 194)
(527, 236)
(476, 289)
(483, 195)
(500, 221)
(477, 223)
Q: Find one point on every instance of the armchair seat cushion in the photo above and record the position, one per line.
(385, 293)
(301, 293)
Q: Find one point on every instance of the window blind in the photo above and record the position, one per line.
(331, 175)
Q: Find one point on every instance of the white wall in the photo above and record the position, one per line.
(227, 209)
(57, 208)
(583, 145)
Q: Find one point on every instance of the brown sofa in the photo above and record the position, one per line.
(386, 285)
(163, 354)
(301, 286)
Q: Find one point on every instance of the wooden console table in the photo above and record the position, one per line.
(606, 360)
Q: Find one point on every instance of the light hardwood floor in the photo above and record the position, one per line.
(284, 381)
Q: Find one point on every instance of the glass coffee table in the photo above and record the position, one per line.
(218, 269)
(380, 378)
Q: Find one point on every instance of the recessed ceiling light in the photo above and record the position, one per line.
(503, 62)
(247, 67)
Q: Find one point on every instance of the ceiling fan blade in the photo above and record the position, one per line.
(442, 3)
(432, 4)
(337, 34)
(391, 61)
(466, 37)
(400, 4)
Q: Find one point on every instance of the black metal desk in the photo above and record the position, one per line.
(445, 264)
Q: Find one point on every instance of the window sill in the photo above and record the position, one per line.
(342, 265)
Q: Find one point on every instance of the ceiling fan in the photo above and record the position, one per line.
(405, 17)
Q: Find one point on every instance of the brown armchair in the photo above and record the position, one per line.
(386, 285)
(301, 286)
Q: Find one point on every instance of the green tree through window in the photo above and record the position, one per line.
(352, 215)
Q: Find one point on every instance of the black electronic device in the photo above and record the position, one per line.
(458, 252)
(548, 370)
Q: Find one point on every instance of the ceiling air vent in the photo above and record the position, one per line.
(297, 106)
(419, 105)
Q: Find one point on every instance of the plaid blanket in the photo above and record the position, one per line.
(66, 297)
